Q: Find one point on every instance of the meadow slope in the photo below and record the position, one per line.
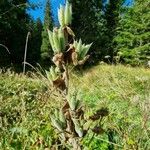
(25, 104)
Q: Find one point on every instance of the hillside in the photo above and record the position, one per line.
(25, 104)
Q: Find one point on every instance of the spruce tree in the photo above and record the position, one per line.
(112, 13)
(87, 23)
(46, 52)
(133, 40)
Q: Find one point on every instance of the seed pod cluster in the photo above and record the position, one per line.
(79, 56)
(58, 120)
(53, 73)
(73, 102)
(70, 120)
(81, 49)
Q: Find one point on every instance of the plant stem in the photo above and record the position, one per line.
(25, 53)
(66, 78)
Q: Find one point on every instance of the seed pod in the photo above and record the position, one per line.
(75, 44)
(67, 13)
(53, 73)
(79, 46)
(56, 113)
(70, 12)
(62, 119)
(78, 128)
(85, 50)
(56, 41)
(61, 16)
(50, 35)
(61, 39)
(72, 104)
(70, 32)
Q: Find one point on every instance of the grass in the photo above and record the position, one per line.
(125, 91)
(25, 104)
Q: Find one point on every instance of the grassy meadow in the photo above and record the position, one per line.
(26, 102)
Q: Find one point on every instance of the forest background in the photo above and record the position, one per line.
(119, 30)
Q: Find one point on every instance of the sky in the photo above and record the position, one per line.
(39, 13)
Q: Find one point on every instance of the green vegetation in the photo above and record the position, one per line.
(9, 16)
(70, 105)
(116, 28)
(110, 27)
(46, 51)
(87, 24)
(133, 39)
(26, 103)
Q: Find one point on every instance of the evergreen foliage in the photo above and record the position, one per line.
(111, 26)
(111, 16)
(46, 51)
(87, 24)
(133, 40)
(35, 41)
(13, 30)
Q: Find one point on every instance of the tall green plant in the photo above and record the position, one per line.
(70, 121)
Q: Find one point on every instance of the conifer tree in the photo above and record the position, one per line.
(111, 16)
(133, 40)
(46, 52)
(87, 23)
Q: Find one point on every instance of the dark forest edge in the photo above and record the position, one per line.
(119, 31)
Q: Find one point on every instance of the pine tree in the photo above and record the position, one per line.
(133, 40)
(46, 52)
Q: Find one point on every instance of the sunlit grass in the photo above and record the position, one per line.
(25, 104)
